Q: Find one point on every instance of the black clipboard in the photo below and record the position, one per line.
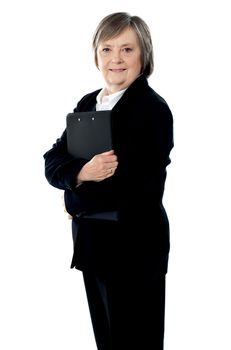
(88, 133)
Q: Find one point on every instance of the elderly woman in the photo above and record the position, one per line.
(123, 257)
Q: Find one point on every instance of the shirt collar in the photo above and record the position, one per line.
(111, 99)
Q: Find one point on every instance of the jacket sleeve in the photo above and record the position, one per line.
(161, 134)
(61, 168)
(142, 165)
(159, 144)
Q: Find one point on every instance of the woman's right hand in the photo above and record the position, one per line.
(99, 168)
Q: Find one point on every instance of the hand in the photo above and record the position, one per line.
(99, 168)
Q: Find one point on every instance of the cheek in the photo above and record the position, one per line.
(98, 60)
(101, 63)
(138, 65)
(135, 63)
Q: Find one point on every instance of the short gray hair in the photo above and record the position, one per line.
(114, 24)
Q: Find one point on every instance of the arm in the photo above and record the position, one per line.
(159, 146)
(60, 167)
(65, 172)
(145, 155)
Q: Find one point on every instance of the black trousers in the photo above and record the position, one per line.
(127, 310)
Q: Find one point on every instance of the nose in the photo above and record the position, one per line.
(116, 56)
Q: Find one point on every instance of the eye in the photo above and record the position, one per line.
(127, 49)
(106, 49)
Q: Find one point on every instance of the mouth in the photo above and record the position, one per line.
(118, 70)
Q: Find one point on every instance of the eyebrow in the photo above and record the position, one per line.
(123, 45)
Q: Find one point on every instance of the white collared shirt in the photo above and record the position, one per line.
(107, 102)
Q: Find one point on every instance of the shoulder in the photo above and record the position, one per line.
(153, 98)
(144, 98)
(141, 89)
(156, 102)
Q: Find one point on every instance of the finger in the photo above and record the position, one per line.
(110, 165)
(107, 174)
(110, 172)
(103, 158)
(110, 159)
(108, 152)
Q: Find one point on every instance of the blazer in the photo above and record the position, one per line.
(142, 134)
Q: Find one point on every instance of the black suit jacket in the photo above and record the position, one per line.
(142, 127)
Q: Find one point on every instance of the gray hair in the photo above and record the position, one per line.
(114, 24)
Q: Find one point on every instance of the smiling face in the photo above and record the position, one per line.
(119, 60)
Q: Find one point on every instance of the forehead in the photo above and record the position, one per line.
(127, 36)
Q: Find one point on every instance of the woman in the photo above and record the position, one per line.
(124, 259)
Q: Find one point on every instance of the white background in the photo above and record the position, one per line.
(46, 67)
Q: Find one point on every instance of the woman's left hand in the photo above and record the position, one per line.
(99, 168)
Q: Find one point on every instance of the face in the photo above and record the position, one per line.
(119, 60)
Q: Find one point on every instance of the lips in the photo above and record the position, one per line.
(119, 70)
